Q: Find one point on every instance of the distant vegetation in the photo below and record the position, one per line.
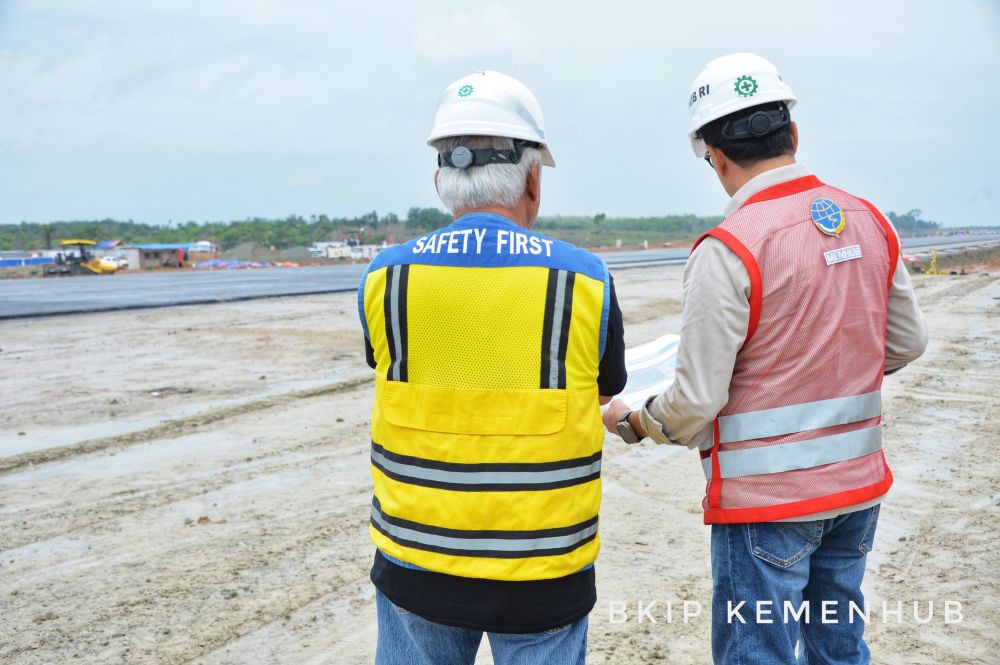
(297, 231)
(292, 231)
(910, 223)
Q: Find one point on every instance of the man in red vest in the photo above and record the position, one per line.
(795, 306)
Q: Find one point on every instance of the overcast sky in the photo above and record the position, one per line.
(224, 109)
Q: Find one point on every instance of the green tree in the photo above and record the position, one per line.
(910, 222)
(426, 219)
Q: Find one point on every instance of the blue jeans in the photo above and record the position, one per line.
(773, 567)
(407, 639)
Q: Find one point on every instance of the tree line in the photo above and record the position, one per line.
(298, 231)
(909, 223)
(281, 233)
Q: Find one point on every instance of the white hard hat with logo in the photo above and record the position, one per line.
(729, 84)
(489, 103)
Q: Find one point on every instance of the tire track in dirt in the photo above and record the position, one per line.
(214, 652)
(937, 535)
(958, 289)
(175, 427)
(275, 563)
(75, 516)
(221, 601)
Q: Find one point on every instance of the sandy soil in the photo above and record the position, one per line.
(190, 485)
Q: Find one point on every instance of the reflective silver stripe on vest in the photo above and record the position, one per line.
(479, 544)
(394, 373)
(796, 455)
(557, 324)
(517, 478)
(799, 417)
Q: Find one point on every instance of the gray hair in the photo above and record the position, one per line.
(490, 184)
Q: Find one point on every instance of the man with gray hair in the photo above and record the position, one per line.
(493, 348)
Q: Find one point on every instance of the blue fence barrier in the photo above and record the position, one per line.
(17, 263)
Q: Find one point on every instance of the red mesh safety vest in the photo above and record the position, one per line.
(801, 432)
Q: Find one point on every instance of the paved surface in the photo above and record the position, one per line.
(93, 293)
(950, 245)
(72, 295)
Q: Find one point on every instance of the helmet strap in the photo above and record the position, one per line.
(463, 158)
(758, 124)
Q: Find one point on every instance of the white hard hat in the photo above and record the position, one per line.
(489, 103)
(731, 83)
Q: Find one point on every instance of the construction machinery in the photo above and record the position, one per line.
(78, 259)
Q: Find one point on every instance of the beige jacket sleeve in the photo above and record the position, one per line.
(906, 329)
(714, 323)
(713, 326)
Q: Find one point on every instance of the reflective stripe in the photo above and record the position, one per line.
(395, 320)
(796, 455)
(555, 328)
(397, 341)
(557, 317)
(500, 544)
(799, 417)
(486, 477)
(605, 312)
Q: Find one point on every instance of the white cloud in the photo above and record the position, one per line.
(492, 31)
(194, 109)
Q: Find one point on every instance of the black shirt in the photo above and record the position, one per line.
(494, 605)
(491, 605)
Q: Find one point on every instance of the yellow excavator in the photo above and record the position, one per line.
(82, 262)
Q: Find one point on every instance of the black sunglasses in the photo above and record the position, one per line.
(707, 157)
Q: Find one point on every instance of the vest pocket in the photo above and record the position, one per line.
(783, 544)
(473, 411)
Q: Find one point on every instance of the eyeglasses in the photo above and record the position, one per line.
(708, 155)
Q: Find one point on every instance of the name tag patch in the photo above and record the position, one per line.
(842, 254)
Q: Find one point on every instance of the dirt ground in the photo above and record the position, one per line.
(190, 485)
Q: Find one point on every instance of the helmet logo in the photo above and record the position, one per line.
(465, 90)
(746, 86)
(828, 217)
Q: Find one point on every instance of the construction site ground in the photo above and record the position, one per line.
(191, 485)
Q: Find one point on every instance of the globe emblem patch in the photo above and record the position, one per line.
(828, 217)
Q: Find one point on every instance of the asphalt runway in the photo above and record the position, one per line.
(98, 293)
(24, 298)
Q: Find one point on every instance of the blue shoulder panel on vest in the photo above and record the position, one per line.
(486, 240)
(605, 313)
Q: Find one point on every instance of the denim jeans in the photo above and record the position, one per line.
(773, 567)
(407, 639)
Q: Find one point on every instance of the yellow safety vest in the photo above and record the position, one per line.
(486, 428)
